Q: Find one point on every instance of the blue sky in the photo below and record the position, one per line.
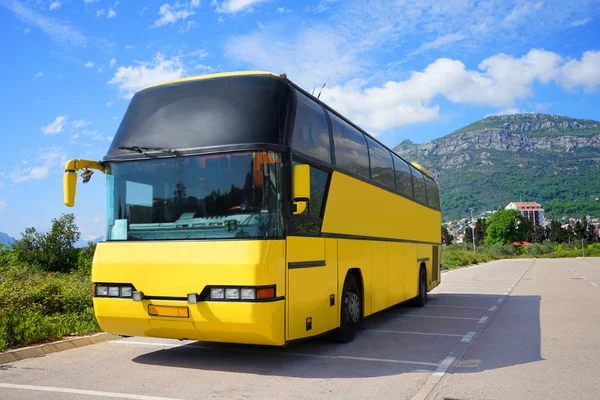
(411, 69)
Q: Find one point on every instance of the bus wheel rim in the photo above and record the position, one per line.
(353, 307)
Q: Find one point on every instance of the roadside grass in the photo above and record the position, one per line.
(459, 255)
(38, 306)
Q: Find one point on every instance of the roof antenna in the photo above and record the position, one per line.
(313, 91)
(326, 81)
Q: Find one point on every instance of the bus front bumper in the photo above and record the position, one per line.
(232, 322)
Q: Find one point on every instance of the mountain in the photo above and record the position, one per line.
(553, 160)
(6, 240)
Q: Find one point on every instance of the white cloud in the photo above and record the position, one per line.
(585, 72)
(133, 78)
(55, 127)
(324, 5)
(100, 12)
(109, 103)
(580, 22)
(129, 47)
(195, 3)
(200, 54)
(235, 6)
(38, 75)
(26, 31)
(111, 13)
(57, 30)
(2, 205)
(90, 1)
(499, 81)
(100, 70)
(89, 64)
(170, 14)
(440, 41)
(507, 111)
(55, 5)
(283, 10)
(50, 158)
(113, 62)
(79, 123)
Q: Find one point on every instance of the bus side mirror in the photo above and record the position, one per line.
(301, 187)
(70, 177)
(69, 187)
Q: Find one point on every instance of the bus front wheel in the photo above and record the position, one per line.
(350, 311)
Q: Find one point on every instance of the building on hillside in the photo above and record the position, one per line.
(532, 212)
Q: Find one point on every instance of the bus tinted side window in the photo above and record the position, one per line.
(350, 147)
(419, 185)
(404, 184)
(311, 133)
(310, 221)
(382, 166)
(433, 195)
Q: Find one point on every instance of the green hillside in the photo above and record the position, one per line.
(553, 160)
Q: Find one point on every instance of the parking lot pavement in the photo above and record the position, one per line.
(401, 353)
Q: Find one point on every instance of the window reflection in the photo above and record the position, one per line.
(234, 195)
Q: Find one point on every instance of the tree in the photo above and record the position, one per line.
(447, 237)
(506, 226)
(480, 231)
(591, 234)
(468, 238)
(536, 234)
(556, 233)
(53, 251)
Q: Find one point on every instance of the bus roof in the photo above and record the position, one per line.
(210, 76)
(423, 170)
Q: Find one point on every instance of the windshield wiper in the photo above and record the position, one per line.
(143, 150)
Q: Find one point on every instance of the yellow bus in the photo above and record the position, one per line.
(242, 209)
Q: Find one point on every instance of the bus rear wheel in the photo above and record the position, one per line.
(421, 298)
(351, 312)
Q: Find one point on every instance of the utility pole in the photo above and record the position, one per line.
(473, 230)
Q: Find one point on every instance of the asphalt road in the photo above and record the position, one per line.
(518, 329)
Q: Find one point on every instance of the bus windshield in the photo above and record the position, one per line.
(223, 196)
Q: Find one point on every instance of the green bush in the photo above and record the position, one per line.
(37, 306)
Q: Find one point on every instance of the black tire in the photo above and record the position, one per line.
(421, 298)
(350, 312)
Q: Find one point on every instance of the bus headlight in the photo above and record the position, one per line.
(232, 293)
(118, 290)
(217, 293)
(248, 294)
(101, 290)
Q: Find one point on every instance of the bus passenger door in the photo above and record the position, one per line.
(311, 266)
(312, 281)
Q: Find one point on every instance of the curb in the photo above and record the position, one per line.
(54, 347)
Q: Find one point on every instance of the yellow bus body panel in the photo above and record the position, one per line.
(174, 269)
(405, 231)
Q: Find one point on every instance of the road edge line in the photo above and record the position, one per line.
(41, 350)
(456, 356)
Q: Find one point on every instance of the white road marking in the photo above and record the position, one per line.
(499, 300)
(505, 294)
(413, 333)
(595, 284)
(482, 320)
(474, 308)
(443, 367)
(493, 308)
(430, 316)
(583, 277)
(83, 392)
(467, 338)
(280, 353)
